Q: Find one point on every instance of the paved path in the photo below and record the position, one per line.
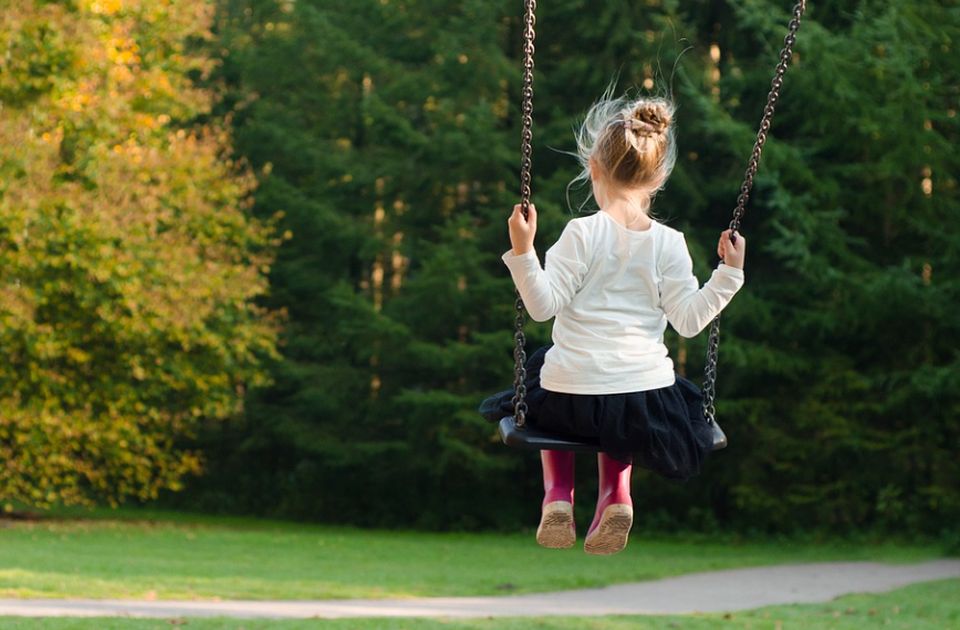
(714, 591)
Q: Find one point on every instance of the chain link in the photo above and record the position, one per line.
(713, 344)
(526, 166)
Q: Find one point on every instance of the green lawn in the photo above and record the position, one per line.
(146, 555)
(927, 606)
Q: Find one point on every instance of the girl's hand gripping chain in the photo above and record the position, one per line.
(732, 253)
(522, 230)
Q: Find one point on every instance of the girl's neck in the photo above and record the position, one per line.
(629, 212)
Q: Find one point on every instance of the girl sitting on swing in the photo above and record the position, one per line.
(612, 281)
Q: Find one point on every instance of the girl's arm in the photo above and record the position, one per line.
(688, 307)
(546, 291)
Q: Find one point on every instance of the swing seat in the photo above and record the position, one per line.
(531, 439)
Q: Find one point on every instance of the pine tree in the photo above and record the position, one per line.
(385, 142)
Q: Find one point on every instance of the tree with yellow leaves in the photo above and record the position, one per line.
(130, 266)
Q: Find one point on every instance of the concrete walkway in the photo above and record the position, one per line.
(715, 591)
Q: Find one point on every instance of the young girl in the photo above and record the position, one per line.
(613, 281)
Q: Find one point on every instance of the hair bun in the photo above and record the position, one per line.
(649, 119)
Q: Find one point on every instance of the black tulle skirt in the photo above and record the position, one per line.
(663, 430)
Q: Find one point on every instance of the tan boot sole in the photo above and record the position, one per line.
(611, 534)
(556, 530)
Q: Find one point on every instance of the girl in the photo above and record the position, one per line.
(613, 281)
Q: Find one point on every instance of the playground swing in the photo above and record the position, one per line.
(513, 429)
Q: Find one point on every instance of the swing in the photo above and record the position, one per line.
(513, 429)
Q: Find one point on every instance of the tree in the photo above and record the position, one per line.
(130, 265)
(385, 277)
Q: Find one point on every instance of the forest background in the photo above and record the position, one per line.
(250, 250)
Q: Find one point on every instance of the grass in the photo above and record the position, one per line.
(147, 555)
(927, 606)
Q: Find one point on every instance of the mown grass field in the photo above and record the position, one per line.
(138, 554)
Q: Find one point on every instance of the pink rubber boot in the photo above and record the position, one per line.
(557, 530)
(614, 516)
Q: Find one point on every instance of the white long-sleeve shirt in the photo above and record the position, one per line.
(612, 291)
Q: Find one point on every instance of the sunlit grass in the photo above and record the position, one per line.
(147, 555)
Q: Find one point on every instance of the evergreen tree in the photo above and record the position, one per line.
(385, 140)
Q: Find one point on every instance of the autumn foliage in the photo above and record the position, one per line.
(129, 262)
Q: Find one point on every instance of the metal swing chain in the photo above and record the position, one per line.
(713, 344)
(526, 164)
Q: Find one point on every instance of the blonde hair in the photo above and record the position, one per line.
(631, 140)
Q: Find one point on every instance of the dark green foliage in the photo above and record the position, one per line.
(840, 375)
(382, 131)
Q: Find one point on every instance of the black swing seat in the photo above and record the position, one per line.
(531, 439)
